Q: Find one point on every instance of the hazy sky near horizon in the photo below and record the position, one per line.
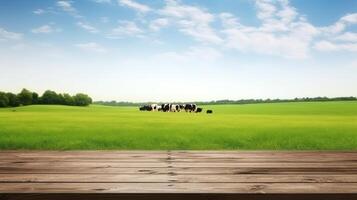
(180, 50)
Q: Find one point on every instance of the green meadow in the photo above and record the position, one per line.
(276, 126)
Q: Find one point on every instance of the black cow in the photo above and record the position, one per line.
(145, 108)
(190, 107)
(209, 111)
(199, 110)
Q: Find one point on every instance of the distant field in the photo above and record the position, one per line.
(280, 126)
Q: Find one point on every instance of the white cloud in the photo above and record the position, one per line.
(91, 47)
(192, 21)
(329, 46)
(102, 1)
(125, 28)
(282, 31)
(266, 9)
(341, 24)
(350, 18)
(347, 37)
(39, 11)
(67, 7)
(159, 23)
(87, 27)
(228, 20)
(288, 13)
(7, 35)
(45, 29)
(335, 37)
(135, 5)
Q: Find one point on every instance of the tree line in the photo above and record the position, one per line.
(26, 97)
(241, 101)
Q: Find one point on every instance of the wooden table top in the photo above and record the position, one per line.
(178, 174)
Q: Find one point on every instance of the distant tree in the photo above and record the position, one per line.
(4, 101)
(25, 97)
(35, 98)
(50, 97)
(68, 100)
(82, 99)
(13, 100)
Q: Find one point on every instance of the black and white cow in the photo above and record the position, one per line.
(190, 107)
(168, 107)
(175, 108)
(154, 107)
(165, 107)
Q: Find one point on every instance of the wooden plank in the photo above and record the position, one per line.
(187, 171)
(215, 171)
(82, 170)
(176, 196)
(265, 178)
(249, 188)
(179, 160)
(85, 178)
(166, 178)
(212, 174)
(102, 164)
(195, 154)
(179, 164)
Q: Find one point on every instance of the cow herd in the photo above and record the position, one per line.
(168, 107)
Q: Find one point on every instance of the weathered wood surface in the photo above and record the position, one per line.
(177, 175)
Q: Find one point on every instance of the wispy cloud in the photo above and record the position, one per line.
(192, 21)
(135, 5)
(102, 1)
(91, 47)
(341, 24)
(45, 29)
(87, 27)
(159, 23)
(335, 37)
(347, 37)
(125, 28)
(283, 32)
(39, 11)
(68, 7)
(330, 46)
(8, 35)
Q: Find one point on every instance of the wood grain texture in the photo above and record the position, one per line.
(178, 175)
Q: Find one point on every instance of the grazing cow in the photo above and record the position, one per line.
(209, 111)
(145, 108)
(175, 108)
(190, 107)
(154, 107)
(178, 108)
(182, 106)
(165, 107)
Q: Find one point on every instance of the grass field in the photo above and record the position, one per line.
(280, 126)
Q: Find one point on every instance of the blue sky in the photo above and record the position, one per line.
(180, 50)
